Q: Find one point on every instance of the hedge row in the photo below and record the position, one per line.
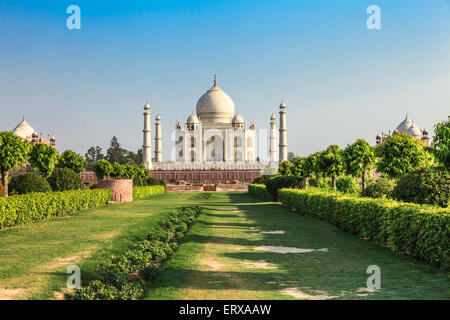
(147, 192)
(417, 230)
(23, 209)
(124, 277)
(260, 191)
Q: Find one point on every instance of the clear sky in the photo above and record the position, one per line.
(341, 81)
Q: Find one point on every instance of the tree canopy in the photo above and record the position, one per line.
(400, 154)
(43, 158)
(71, 160)
(441, 139)
(330, 163)
(359, 158)
(13, 152)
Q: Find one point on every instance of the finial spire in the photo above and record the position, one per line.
(215, 81)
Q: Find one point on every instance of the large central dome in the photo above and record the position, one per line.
(215, 106)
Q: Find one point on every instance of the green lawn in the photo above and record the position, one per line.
(217, 259)
(34, 257)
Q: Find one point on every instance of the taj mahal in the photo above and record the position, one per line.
(215, 138)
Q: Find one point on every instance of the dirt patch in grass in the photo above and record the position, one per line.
(261, 264)
(298, 294)
(11, 294)
(281, 249)
(61, 262)
(211, 263)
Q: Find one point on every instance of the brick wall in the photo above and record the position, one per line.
(206, 176)
(122, 190)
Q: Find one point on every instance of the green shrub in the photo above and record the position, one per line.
(262, 179)
(155, 182)
(417, 230)
(348, 185)
(147, 192)
(63, 179)
(23, 209)
(28, 183)
(424, 186)
(122, 277)
(260, 191)
(278, 182)
(381, 188)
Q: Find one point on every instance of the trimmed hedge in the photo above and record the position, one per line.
(126, 276)
(147, 192)
(279, 182)
(260, 191)
(417, 230)
(23, 209)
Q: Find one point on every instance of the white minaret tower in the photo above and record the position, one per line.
(147, 146)
(283, 133)
(158, 139)
(273, 139)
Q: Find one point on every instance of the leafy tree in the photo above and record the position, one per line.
(441, 139)
(359, 158)
(330, 163)
(93, 155)
(135, 158)
(71, 160)
(103, 169)
(13, 152)
(309, 167)
(400, 154)
(285, 168)
(297, 169)
(115, 153)
(43, 158)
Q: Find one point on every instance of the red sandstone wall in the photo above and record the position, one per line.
(122, 190)
(206, 176)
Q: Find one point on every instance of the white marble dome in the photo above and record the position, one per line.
(404, 126)
(215, 106)
(23, 130)
(414, 130)
(238, 119)
(192, 119)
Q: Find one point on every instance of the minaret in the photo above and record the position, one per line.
(283, 133)
(273, 139)
(147, 146)
(158, 139)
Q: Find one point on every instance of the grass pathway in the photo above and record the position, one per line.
(218, 260)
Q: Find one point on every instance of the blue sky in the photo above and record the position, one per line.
(340, 80)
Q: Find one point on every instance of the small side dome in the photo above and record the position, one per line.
(52, 139)
(282, 105)
(192, 119)
(147, 106)
(23, 130)
(378, 137)
(158, 117)
(273, 117)
(238, 119)
(414, 131)
(425, 131)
